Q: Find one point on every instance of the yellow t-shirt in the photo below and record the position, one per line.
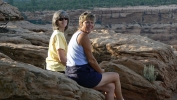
(57, 41)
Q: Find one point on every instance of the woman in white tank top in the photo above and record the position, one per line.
(83, 67)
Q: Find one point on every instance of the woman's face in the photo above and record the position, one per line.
(62, 22)
(87, 26)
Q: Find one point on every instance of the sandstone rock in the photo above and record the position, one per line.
(26, 53)
(7, 11)
(25, 45)
(15, 25)
(125, 54)
(20, 81)
(128, 54)
(175, 47)
(158, 22)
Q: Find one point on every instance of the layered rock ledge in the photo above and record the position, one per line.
(23, 50)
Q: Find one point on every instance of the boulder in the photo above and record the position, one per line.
(22, 81)
(128, 55)
(8, 12)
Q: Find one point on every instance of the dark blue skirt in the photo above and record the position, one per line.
(84, 75)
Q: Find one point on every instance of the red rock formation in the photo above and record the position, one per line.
(175, 47)
(22, 48)
(7, 11)
(158, 23)
(128, 55)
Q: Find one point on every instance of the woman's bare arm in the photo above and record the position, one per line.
(84, 40)
(61, 56)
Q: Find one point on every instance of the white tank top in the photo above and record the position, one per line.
(75, 54)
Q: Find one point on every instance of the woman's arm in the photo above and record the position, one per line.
(84, 40)
(61, 56)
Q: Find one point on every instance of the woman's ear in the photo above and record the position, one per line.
(56, 22)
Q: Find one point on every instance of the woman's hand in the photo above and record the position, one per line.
(103, 70)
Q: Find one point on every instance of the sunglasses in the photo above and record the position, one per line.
(61, 19)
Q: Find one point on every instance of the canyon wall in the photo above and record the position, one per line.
(158, 23)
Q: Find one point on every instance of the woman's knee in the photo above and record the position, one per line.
(116, 76)
(110, 87)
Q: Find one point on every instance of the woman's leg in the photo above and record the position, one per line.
(109, 89)
(111, 77)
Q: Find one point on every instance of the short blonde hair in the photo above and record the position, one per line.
(86, 16)
(56, 16)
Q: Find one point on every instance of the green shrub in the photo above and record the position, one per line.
(149, 73)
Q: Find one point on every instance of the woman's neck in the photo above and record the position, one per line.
(84, 31)
(61, 30)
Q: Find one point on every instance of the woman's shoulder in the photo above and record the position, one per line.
(57, 32)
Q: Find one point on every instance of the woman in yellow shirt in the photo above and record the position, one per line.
(56, 60)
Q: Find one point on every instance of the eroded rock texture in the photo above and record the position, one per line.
(158, 22)
(125, 54)
(7, 11)
(128, 54)
(23, 50)
(20, 81)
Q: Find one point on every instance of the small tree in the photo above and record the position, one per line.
(149, 73)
